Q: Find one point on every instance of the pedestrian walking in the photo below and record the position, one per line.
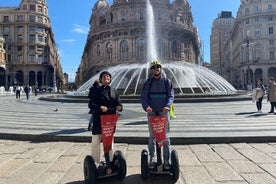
(157, 97)
(260, 92)
(272, 94)
(104, 100)
(27, 91)
(18, 91)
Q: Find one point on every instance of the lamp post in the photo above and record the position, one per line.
(247, 44)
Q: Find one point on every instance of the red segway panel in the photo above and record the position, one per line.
(108, 124)
(158, 125)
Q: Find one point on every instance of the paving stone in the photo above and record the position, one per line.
(259, 178)
(205, 154)
(222, 172)
(62, 164)
(270, 168)
(256, 156)
(49, 178)
(28, 173)
(245, 166)
(228, 153)
(188, 158)
(11, 166)
(197, 175)
(73, 175)
(265, 148)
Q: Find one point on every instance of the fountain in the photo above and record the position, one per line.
(188, 79)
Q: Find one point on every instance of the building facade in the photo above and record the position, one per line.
(118, 35)
(253, 43)
(221, 30)
(30, 52)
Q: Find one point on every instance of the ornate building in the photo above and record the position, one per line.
(118, 35)
(30, 51)
(252, 43)
(221, 30)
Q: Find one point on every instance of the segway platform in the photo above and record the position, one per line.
(117, 165)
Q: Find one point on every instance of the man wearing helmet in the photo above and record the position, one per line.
(103, 100)
(157, 96)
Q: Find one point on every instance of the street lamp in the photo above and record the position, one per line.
(247, 44)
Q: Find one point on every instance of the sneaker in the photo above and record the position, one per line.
(259, 111)
(270, 112)
(167, 165)
(152, 163)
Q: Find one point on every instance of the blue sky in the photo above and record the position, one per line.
(70, 23)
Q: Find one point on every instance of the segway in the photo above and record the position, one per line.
(118, 164)
(158, 125)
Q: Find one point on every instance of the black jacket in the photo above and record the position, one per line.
(102, 96)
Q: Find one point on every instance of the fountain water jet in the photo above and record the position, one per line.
(188, 79)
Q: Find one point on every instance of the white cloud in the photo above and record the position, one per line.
(69, 40)
(80, 29)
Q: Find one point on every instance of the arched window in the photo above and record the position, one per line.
(161, 49)
(175, 49)
(272, 72)
(98, 51)
(259, 74)
(19, 77)
(109, 51)
(124, 49)
(141, 48)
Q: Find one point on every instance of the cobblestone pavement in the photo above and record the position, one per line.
(60, 160)
(24, 162)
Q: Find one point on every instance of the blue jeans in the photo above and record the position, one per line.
(152, 142)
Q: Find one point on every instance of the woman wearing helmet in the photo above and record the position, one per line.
(157, 96)
(103, 100)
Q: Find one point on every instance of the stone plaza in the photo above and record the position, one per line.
(217, 142)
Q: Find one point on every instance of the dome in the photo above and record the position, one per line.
(182, 4)
(101, 4)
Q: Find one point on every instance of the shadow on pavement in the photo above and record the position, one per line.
(137, 123)
(67, 132)
(134, 179)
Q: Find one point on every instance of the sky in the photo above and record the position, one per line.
(70, 24)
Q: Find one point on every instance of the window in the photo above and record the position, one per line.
(19, 18)
(123, 15)
(256, 9)
(40, 38)
(141, 48)
(257, 32)
(256, 19)
(32, 38)
(24, 7)
(31, 48)
(39, 29)
(19, 48)
(142, 15)
(31, 58)
(31, 29)
(20, 38)
(247, 11)
(39, 58)
(271, 55)
(270, 30)
(271, 42)
(269, 7)
(39, 19)
(6, 29)
(175, 49)
(6, 18)
(124, 49)
(19, 28)
(19, 58)
(270, 18)
(109, 51)
(32, 7)
(39, 9)
(31, 18)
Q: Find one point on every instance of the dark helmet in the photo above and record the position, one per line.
(105, 73)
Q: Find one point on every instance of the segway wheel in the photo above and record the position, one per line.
(144, 164)
(89, 170)
(174, 165)
(120, 164)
